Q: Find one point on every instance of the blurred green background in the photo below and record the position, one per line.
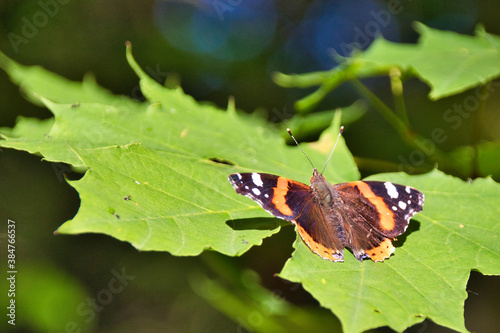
(215, 49)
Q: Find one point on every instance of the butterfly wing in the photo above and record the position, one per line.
(373, 213)
(280, 196)
(321, 232)
(293, 201)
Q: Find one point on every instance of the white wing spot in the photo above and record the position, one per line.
(402, 205)
(257, 192)
(408, 189)
(391, 190)
(257, 180)
(266, 195)
(246, 187)
(421, 200)
(394, 208)
(239, 176)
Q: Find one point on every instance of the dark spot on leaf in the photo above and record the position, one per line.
(112, 211)
(126, 198)
(376, 310)
(77, 104)
(220, 160)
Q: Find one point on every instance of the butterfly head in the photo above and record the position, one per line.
(317, 178)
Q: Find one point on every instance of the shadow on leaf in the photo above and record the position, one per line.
(261, 223)
(412, 227)
(220, 160)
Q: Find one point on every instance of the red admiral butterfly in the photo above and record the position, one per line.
(364, 216)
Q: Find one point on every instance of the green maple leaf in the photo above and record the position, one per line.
(449, 62)
(157, 156)
(155, 179)
(427, 275)
(153, 168)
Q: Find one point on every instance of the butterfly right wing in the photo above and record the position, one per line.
(374, 213)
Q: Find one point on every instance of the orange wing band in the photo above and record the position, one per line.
(381, 252)
(386, 216)
(279, 194)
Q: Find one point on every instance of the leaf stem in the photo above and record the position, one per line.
(397, 93)
(308, 103)
(403, 129)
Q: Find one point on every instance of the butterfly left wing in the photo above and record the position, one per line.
(293, 201)
(280, 196)
(322, 232)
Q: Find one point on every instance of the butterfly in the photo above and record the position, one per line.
(364, 216)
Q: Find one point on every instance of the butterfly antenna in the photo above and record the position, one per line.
(335, 145)
(297, 143)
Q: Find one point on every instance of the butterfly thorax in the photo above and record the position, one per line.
(323, 191)
(321, 188)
